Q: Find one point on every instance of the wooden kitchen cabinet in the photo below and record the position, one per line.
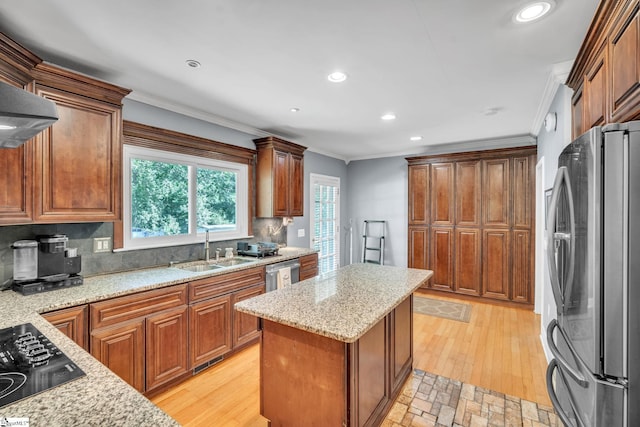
(279, 178)
(479, 238)
(16, 168)
(73, 322)
(216, 329)
(143, 337)
(605, 75)
(308, 266)
(210, 329)
(419, 200)
(246, 328)
(78, 159)
(167, 337)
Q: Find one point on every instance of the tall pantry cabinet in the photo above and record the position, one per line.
(471, 222)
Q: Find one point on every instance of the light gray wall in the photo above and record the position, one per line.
(378, 191)
(322, 165)
(550, 144)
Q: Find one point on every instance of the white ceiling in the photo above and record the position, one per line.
(439, 65)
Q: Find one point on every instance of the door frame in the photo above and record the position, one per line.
(314, 179)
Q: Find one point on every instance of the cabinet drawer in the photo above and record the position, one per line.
(116, 310)
(308, 266)
(218, 285)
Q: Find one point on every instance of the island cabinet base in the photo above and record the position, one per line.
(312, 380)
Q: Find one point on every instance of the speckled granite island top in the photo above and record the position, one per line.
(100, 398)
(342, 305)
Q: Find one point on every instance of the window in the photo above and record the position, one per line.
(172, 199)
(325, 221)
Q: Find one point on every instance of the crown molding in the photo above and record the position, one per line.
(557, 76)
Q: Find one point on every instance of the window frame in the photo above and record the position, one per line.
(193, 162)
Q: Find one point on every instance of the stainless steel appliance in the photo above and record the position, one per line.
(290, 268)
(30, 364)
(259, 250)
(593, 250)
(56, 266)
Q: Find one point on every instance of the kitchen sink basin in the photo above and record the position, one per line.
(234, 261)
(200, 266)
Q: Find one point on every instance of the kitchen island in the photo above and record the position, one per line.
(336, 349)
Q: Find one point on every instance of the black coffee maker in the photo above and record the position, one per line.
(57, 266)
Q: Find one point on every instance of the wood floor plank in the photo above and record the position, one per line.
(499, 349)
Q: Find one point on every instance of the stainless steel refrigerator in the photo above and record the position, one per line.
(593, 250)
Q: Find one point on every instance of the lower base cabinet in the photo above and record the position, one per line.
(308, 266)
(166, 347)
(210, 329)
(72, 322)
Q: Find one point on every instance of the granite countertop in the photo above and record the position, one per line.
(101, 397)
(342, 305)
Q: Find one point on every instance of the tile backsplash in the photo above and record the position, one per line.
(81, 236)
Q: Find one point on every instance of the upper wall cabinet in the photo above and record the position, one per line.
(71, 171)
(606, 73)
(78, 159)
(279, 178)
(16, 175)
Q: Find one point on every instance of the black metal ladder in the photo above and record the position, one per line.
(373, 241)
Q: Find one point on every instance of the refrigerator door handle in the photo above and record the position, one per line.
(553, 237)
(566, 420)
(577, 376)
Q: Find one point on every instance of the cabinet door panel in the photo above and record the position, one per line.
(308, 266)
(495, 190)
(210, 329)
(372, 384)
(495, 266)
(625, 68)
(296, 191)
(73, 322)
(401, 342)
(418, 247)
(246, 327)
(521, 267)
(442, 193)
(281, 184)
(468, 190)
(418, 194)
(468, 261)
(121, 349)
(595, 106)
(68, 186)
(523, 184)
(442, 257)
(167, 348)
(577, 114)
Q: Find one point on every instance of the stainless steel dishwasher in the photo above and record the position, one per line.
(273, 269)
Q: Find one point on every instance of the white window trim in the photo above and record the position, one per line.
(332, 181)
(242, 194)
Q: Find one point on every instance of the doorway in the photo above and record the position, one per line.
(325, 220)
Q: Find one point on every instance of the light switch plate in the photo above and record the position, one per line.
(300, 232)
(101, 244)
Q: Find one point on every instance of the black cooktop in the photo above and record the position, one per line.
(30, 363)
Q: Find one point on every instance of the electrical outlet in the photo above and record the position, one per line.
(300, 232)
(101, 244)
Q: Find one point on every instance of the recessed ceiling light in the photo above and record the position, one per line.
(337, 77)
(533, 11)
(492, 111)
(294, 109)
(388, 116)
(416, 138)
(193, 63)
(7, 127)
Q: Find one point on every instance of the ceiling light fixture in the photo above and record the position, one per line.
(416, 138)
(193, 63)
(533, 11)
(337, 77)
(294, 109)
(388, 116)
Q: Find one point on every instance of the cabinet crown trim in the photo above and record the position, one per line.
(473, 155)
(279, 144)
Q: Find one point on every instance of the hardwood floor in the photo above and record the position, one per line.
(498, 349)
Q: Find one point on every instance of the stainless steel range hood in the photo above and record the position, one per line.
(23, 115)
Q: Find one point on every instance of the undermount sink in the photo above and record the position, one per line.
(200, 266)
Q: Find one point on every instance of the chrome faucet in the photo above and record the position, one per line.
(206, 246)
